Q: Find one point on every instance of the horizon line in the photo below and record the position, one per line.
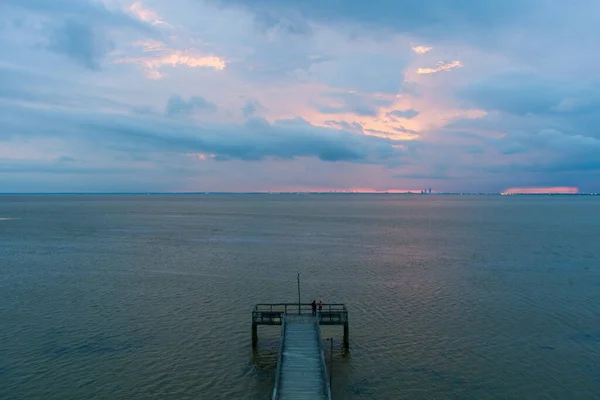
(412, 193)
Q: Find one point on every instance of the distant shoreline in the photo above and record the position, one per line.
(291, 193)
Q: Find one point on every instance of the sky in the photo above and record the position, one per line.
(299, 95)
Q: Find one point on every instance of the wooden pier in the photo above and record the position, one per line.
(301, 370)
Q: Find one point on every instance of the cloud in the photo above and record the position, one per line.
(146, 14)
(21, 166)
(577, 146)
(466, 19)
(81, 30)
(353, 103)
(378, 132)
(351, 72)
(83, 11)
(542, 190)
(287, 50)
(422, 176)
(328, 58)
(539, 125)
(523, 93)
(270, 24)
(402, 129)
(253, 107)
(528, 144)
(406, 114)
(354, 126)
(151, 45)
(158, 57)
(517, 93)
(421, 49)
(568, 104)
(440, 66)
(380, 73)
(81, 43)
(253, 141)
(178, 106)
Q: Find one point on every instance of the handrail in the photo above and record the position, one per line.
(272, 313)
(326, 385)
(279, 359)
(294, 306)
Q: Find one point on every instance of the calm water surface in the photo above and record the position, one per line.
(135, 297)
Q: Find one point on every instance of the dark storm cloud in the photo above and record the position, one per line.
(515, 93)
(429, 18)
(81, 43)
(256, 140)
(533, 144)
(527, 103)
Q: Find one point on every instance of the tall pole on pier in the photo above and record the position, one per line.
(298, 293)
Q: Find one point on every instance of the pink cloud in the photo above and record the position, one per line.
(172, 58)
(543, 190)
(145, 14)
(202, 156)
(440, 66)
(370, 190)
(421, 49)
(150, 45)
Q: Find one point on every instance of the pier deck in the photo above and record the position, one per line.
(302, 373)
(301, 370)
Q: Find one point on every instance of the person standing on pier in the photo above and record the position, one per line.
(314, 307)
(320, 306)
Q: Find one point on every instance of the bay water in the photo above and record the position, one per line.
(150, 296)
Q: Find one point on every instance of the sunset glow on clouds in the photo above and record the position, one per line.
(153, 64)
(246, 95)
(440, 66)
(542, 190)
(146, 15)
(421, 49)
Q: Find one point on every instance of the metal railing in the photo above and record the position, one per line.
(279, 359)
(326, 386)
(272, 314)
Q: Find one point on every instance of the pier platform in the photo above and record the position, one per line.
(301, 370)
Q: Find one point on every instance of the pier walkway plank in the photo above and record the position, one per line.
(301, 372)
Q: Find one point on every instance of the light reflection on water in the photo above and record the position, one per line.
(151, 296)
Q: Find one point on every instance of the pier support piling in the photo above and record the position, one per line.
(254, 334)
(346, 336)
(273, 314)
